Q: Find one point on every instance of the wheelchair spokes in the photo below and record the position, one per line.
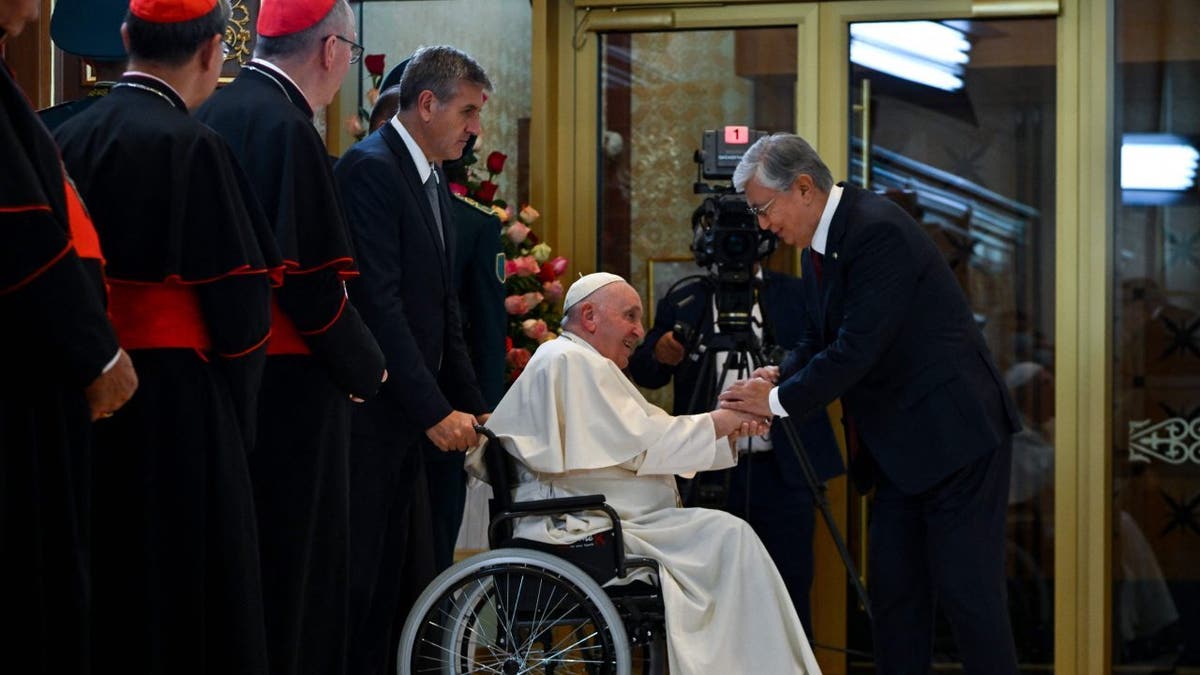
(514, 620)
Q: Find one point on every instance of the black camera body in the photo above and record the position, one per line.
(726, 237)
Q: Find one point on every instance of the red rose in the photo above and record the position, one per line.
(547, 274)
(518, 358)
(508, 344)
(486, 192)
(374, 63)
(495, 161)
(458, 189)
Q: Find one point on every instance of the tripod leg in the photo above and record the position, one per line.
(822, 501)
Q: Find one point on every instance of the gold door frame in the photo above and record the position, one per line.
(564, 180)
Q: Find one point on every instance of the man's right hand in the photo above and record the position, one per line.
(668, 350)
(456, 431)
(108, 392)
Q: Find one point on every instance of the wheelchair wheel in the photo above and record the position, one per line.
(514, 611)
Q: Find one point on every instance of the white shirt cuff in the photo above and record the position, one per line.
(116, 357)
(776, 406)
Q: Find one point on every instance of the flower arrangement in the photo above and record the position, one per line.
(532, 286)
(357, 124)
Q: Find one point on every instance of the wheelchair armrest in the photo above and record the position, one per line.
(556, 507)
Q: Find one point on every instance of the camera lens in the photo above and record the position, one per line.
(736, 245)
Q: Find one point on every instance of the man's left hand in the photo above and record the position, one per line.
(749, 396)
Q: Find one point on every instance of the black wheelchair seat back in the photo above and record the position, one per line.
(601, 555)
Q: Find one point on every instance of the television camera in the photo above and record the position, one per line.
(725, 236)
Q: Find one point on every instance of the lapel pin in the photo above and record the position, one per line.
(835, 255)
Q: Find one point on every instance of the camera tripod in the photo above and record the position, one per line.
(744, 353)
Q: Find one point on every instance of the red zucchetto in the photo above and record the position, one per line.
(170, 11)
(284, 17)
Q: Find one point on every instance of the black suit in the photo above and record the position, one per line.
(767, 489)
(406, 295)
(894, 337)
(479, 280)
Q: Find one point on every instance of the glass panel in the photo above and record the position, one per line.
(659, 93)
(961, 132)
(1156, 378)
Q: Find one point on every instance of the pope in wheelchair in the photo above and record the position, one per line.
(583, 437)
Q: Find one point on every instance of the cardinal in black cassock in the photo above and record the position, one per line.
(56, 341)
(320, 353)
(176, 578)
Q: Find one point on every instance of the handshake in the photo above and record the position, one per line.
(749, 401)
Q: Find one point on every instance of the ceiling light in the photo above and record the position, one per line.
(926, 52)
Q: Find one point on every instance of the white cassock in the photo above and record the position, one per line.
(580, 427)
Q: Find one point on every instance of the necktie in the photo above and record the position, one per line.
(431, 191)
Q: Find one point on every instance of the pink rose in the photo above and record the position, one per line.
(521, 267)
(533, 329)
(559, 265)
(528, 215)
(553, 291)
(522, 304)
(533, 299)
(515, 305)
(518, 358)
(517, 232)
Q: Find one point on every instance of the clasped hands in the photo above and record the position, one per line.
(750, 399)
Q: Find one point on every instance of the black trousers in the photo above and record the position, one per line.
(391, 547)
(447, 500)
(946, 543)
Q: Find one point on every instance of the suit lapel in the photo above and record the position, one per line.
(412, 180)
(832, 267)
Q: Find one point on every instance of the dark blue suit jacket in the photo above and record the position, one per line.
(892, 335)
(783, 306)
(405, 291)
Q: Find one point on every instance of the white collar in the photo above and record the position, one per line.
(424, 168)
(822, 234)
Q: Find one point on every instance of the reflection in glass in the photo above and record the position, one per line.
(1156, 313)
(659, 92)
(975, 166)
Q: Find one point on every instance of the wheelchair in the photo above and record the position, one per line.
(530, 607)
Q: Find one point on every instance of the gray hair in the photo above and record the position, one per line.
(439, 69)
(335, 22)
(776, 161)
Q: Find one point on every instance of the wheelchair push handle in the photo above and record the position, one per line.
(480, 429)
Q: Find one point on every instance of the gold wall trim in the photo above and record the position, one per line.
(993, 8)
(1086, 185)
(601, 20)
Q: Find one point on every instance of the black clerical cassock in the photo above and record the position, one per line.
(56, 340)
(320, 353)
(176, 581)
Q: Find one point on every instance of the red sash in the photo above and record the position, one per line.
(285, 337)
(157, 316)
(83, 232)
